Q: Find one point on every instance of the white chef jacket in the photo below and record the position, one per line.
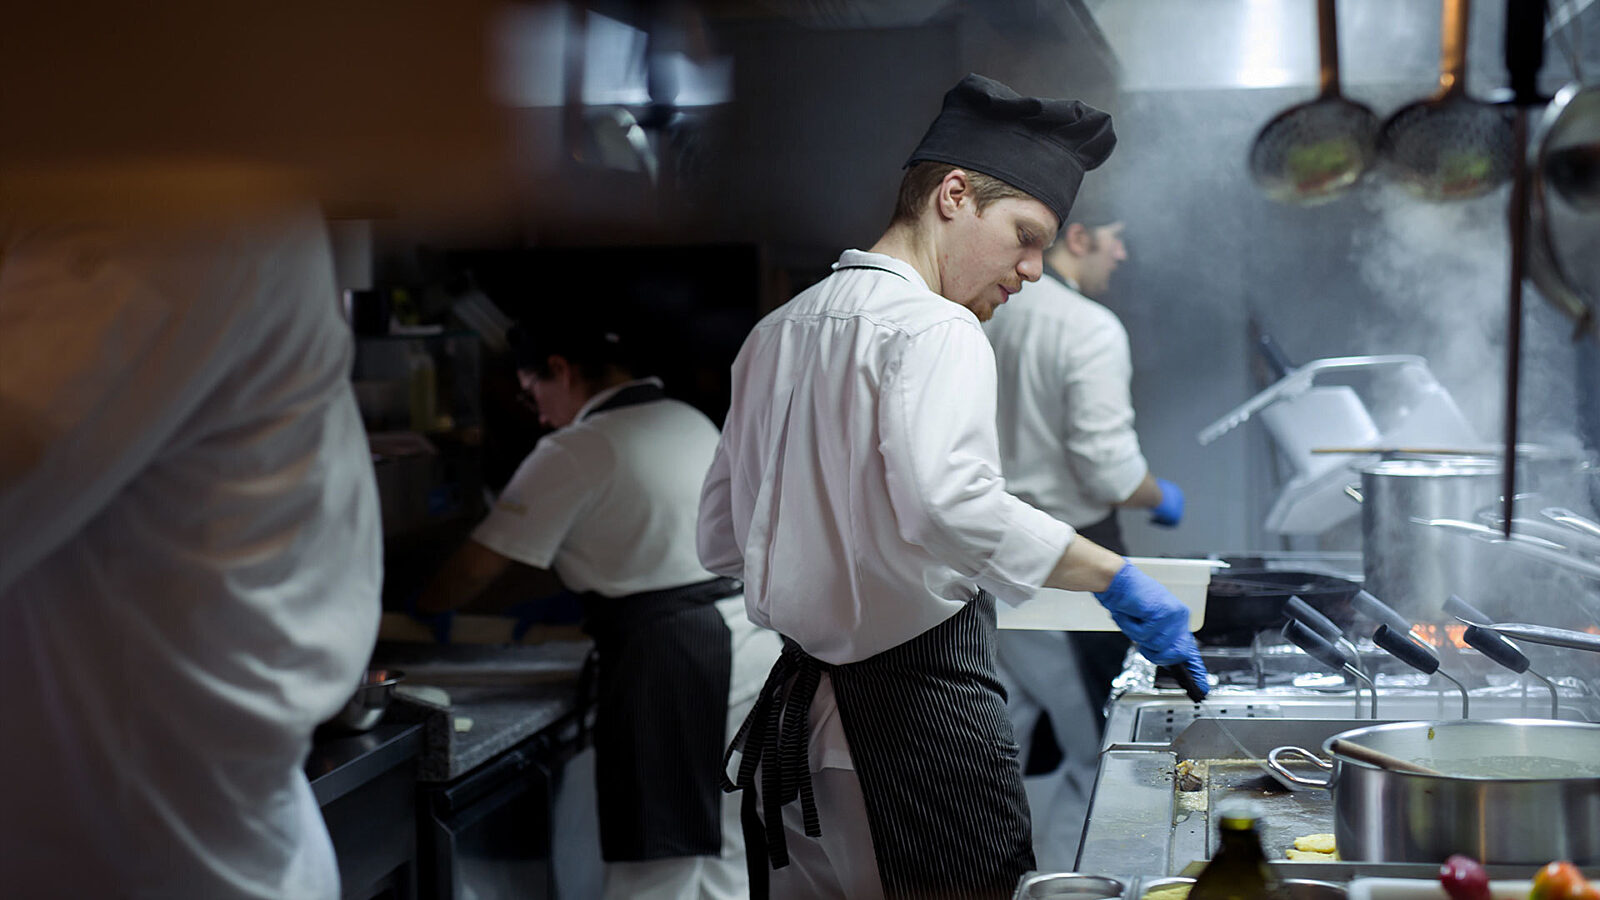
(191, 555)
(857, 485)
(608, 502)
(1065, 415)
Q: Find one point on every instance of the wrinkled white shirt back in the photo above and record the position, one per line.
(191, 555)
(609, 502)
(1065, 415)
(857, 486)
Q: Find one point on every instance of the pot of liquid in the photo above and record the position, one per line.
(1514, 791)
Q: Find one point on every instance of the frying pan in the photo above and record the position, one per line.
(1241, 602)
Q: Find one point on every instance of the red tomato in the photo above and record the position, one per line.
(1464, 879)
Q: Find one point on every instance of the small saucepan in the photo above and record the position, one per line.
(366, 706)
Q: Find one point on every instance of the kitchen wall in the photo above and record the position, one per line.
(1376, 272)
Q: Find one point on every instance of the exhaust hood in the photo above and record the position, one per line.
(1174, 45)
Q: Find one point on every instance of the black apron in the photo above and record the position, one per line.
(659, 677)
(932, 746)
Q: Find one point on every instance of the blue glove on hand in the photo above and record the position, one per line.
(1169, 511)
(1156, 622)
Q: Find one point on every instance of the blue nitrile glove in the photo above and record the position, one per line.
(438, 624)
(1169, 511)
(1156, 622)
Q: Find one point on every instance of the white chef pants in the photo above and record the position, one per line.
(722, 877)
(1040, 672)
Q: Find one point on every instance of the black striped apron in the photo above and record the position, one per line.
(659, 677)
(931, 745)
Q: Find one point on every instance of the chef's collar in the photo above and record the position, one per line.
(860, 258)
(1062, 277)
(612, 391)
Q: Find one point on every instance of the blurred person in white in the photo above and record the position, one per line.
(1067, 445)
(191, 566)
(189, 533)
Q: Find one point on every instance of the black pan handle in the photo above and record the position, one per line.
(1307, 615)
(1496, 647)
(1379, 612)
(1311, 642)
(1406, 650)
(1276, 359)
(1180, 673)
(1461, 609)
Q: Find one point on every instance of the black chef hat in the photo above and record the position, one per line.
(1039, 146)
(586, 339)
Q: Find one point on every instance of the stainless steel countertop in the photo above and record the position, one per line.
(498, 696)
(1139, 825)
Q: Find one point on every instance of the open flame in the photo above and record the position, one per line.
(1437, 636)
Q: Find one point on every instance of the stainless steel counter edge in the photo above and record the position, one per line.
(501, 718)
(338, 765)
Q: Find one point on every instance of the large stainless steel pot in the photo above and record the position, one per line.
(1386, 816)
(1414, 567)
(1411, 566)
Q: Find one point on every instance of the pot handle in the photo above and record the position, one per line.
(1353, 491)
(1279, 769)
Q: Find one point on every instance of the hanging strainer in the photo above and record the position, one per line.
(1313, 152)
(1448, 146)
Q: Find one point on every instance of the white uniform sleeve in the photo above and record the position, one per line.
(106, 348)
(715, 540)
(544, 498)
(937, 419)
(1102, 447)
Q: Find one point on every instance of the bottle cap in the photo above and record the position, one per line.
(1236, 813)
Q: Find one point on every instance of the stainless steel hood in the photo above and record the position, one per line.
(1166, 45)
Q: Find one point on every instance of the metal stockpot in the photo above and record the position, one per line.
(1406, 564)
(1385, 816)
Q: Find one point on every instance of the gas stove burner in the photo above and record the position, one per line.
(1235, 671)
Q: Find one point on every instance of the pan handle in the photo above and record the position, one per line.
(1282, 771)
(1353, 491)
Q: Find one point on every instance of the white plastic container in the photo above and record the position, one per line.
(1405, 407)
(1057, 610)
(1427, 889)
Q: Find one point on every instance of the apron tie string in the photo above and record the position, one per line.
(776, 733)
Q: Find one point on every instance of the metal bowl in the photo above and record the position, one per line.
(366, 706)
(1294, 888)
(1310, 889)
(1153, 884)
(1068, 886)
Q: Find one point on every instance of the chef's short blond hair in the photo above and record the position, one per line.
(922, 178)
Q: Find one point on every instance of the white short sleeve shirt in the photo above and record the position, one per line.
(609, 501)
